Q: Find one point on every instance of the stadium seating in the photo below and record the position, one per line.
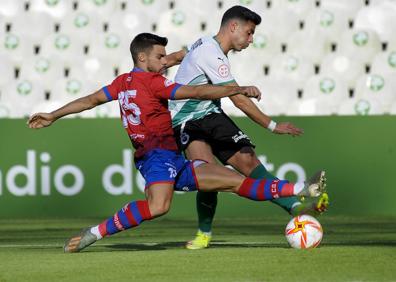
(266, 45)
(130, 23)
(384, 63)
(11, 8)
(43, 25)
(342, 65)
(326, 92)
(392, 109)
(379, 18)
(21, 95)
(110, 45)
(58, 9)
(15, 47)
(256, 5)
(360, 45)
(330, 23)
(70, 88)
(43, 69)
(5, 110)
(291, 69)
(300, 7)
(82, 25)
(99, 8)
(362, 107)
(348, 8)
(280, 21)
(380, 87)
(176, 22)
(308, 44)
(7, 70)
(298, 43)
(67, 46)
(277, 95)
(151, 9)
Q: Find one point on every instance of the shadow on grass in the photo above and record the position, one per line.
(180, 245)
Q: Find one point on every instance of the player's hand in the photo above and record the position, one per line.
(40, 120)
(288, 128)
(251, 92)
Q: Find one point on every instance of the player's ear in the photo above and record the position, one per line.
(233, 25)
(142, 57)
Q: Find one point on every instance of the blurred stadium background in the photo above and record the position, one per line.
(309, 57)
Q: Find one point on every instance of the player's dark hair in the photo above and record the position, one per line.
(240, 13)
(144, 42)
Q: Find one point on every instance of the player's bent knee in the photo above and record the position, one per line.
(158, 209)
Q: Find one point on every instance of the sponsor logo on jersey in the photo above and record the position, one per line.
(136, 136)
(196, 44)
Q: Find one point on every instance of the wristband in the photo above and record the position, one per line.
(272, 125)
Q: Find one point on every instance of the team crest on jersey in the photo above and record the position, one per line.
(168, 82)
(184, 138)
(223, 70)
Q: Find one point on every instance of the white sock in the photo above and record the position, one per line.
(206, 233)
(298, 187)
(95, 231)
(296, 204)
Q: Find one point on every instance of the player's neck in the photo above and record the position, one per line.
(223, 41)
(140, 67)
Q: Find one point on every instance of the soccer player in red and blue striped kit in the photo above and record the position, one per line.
(143, 96)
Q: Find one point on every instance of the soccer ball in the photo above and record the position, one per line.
(304, 232)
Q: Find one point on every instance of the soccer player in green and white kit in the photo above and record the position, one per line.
(203, 130)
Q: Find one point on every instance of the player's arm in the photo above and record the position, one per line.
(212, 92)
(254, 113)
(40, 120)
(175, 58)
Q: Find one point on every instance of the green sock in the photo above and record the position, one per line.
(206, 208)
(285, 203)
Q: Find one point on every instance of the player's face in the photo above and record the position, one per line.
(242, 35)
(156, 61)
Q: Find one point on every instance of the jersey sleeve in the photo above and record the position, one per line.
(163, 88)
(216, 66)
(113, 89)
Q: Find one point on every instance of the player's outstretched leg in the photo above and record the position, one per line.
(159, 197)
(129, 216)
(217, 178)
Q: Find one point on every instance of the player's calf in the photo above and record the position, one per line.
(268, 189)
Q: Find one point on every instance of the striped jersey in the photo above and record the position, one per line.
(204, 63)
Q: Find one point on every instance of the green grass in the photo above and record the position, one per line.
(244, 249)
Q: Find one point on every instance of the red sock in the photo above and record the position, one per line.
(265, 189)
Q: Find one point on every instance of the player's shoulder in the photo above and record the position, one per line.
(203, 45)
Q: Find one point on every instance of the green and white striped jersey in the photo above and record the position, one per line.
(204, 63)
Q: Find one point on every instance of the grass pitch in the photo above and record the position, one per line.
(244, 249)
